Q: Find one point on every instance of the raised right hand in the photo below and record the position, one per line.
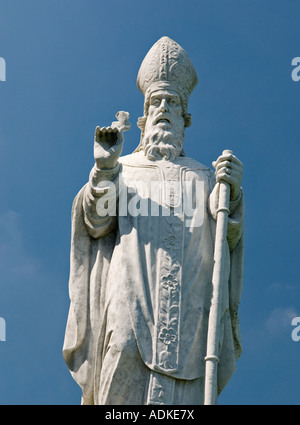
(108, 145)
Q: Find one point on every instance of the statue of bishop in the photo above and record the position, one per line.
(142, 254)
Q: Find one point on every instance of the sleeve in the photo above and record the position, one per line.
(100, 201)
(235, 219)
(89, 266)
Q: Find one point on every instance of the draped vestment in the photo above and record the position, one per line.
(141, 284)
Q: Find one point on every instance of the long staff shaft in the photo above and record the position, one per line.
(213, 336)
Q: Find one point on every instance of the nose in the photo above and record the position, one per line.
(164, 106)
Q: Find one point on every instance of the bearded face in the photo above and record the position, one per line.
(164, 129)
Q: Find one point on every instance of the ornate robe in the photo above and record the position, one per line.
(140, 283)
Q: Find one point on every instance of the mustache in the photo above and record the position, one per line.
(162, 117)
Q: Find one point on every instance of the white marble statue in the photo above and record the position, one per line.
(142, 254)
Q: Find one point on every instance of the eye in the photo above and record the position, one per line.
(155, 101)
(173, 101)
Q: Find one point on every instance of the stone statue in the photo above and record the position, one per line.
(142, 254)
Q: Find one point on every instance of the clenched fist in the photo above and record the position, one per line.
(229, 169)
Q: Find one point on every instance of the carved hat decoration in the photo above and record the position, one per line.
(167, 66)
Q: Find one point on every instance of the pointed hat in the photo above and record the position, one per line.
(167, 65)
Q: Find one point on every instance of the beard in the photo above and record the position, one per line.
(159, 143)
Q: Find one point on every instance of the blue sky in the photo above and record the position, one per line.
(70, 66)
